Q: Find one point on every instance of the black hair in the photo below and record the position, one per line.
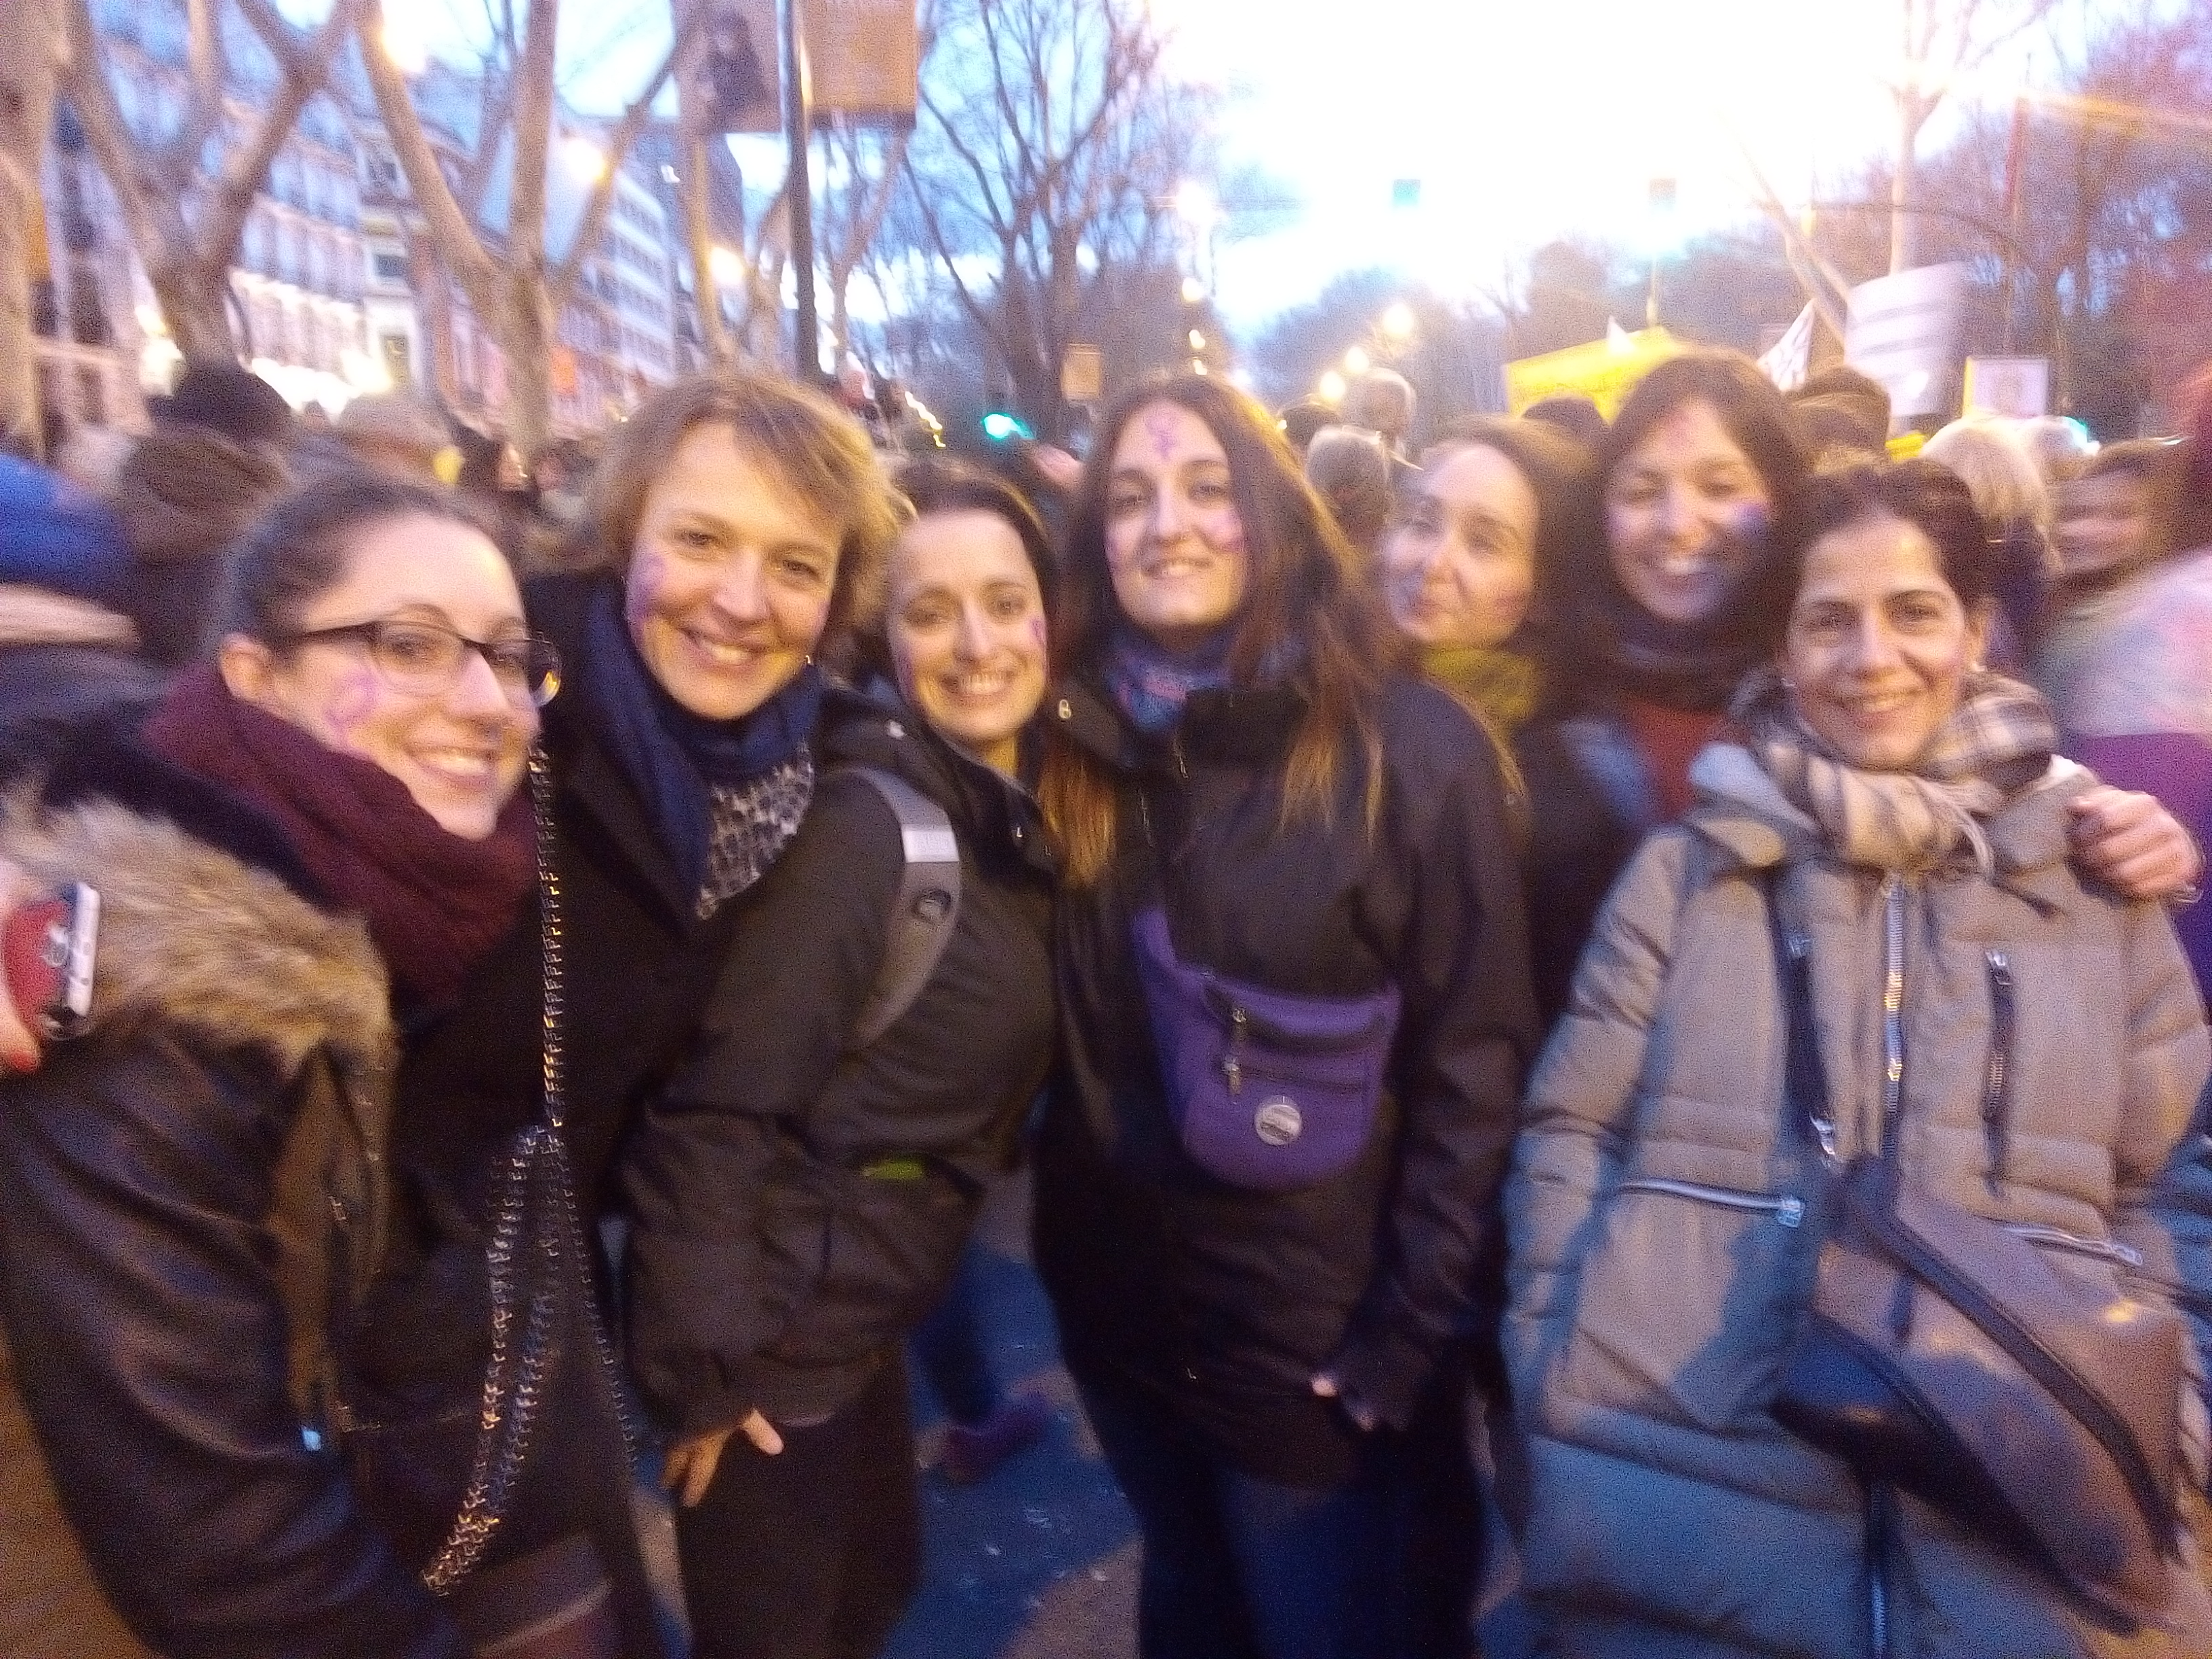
(1928, 496)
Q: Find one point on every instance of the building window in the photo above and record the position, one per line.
(91, 395)
(398, 364)
(391, 267)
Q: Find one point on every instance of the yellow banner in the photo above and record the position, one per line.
(1603, 371)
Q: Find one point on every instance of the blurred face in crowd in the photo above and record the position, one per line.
(1175, 542)
(730, 579)
(2104, 525)
(458, 748)
(1683, 512)
(1879, 645)
(966, 630)
(1460, 566)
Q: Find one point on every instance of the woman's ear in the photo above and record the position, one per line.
(248, 669)
(1981, 622)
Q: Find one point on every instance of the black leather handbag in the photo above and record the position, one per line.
(1946, 1356)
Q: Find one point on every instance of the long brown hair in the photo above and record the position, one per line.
(1304, 603)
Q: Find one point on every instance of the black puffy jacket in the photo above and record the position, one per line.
(1226, 1301)
(801, 1205)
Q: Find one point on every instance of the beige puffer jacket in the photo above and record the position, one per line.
(1660, 1263)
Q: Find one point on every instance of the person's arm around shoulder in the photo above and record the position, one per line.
(799, 970)
(1575, 1125)
(150, 1341)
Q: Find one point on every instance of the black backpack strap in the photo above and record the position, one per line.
(923, 913)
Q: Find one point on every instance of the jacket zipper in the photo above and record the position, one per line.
(1892, 1101)
(1783, 1207)
(1996, 1081)
(1893, 1002)
(2105, 1250)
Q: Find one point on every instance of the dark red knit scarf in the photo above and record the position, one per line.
(435, 902)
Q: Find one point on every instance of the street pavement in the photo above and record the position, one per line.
(1039, 1561)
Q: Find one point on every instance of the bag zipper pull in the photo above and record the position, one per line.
(1232, 1068)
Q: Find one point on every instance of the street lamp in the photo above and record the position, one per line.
(1330, 387)
(1398, 323)
(585, 158)
(1356, 362)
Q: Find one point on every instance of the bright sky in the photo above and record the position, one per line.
(1523, 120)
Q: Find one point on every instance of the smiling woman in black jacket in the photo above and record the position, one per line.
(1295, 1015)
(803, 1189)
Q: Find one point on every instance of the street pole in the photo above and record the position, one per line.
(798, 190)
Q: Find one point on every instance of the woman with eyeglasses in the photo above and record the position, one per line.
(311, 844)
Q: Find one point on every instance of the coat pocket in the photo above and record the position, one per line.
(1688, 1297)
(888, 1248)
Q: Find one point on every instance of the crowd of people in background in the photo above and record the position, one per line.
(578, 943)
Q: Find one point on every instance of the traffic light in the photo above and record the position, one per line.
(1002, 427)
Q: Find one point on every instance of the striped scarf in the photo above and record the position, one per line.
(1997, 742)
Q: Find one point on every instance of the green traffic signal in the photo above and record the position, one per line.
(1002, 427)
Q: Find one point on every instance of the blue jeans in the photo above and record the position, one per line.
(1240, 1567)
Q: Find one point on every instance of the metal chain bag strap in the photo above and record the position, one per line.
(539, 1289)
(1946, 1356)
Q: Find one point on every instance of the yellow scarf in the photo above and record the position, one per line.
(1503, 687)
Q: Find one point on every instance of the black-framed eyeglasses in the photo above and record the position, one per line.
(426, 658)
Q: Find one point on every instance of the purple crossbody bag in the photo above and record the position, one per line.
(1270, 1089)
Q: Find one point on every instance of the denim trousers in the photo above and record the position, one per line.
(1240, 1567)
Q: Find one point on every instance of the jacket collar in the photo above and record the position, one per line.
(996, 817)
(1248, 726)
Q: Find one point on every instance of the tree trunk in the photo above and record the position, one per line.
(30, 52)
(528, 337)
(699, 231)
(1902, 241)
(195, 302)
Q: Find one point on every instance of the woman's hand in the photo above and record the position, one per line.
(693, 1460)
(2130, 841)
(1329, 1386)
(19, 1050)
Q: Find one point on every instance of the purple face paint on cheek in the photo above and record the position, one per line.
(648, 574)
(352, 701)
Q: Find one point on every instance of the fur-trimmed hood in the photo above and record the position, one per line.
(195, 939)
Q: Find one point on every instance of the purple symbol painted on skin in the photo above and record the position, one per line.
(1162, 428)
(648, 574)
(353, 700)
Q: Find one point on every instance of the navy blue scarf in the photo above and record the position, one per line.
(674, 757)
(1152, 683)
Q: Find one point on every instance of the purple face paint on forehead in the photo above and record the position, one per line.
(1160, 422)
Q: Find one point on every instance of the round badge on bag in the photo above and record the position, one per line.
(1277, 1121)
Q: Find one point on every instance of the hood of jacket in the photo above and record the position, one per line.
(1741, 810)
(196, 939)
